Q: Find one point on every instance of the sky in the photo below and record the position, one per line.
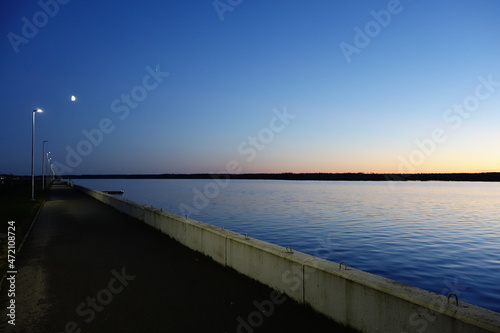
(192, 86)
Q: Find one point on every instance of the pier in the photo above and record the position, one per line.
(85, 267)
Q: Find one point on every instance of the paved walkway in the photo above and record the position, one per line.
(88, 268)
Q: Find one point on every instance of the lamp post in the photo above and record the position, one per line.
(43, 164)
(33, 153)
(48, 164)
(53, 172)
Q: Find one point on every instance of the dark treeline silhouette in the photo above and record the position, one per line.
(476, 177)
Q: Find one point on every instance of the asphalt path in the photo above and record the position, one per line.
(87, 268)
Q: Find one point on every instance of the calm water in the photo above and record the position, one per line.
(439, 236)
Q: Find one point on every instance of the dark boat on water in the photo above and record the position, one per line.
(114, 192)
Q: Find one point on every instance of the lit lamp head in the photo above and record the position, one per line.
(38, 110)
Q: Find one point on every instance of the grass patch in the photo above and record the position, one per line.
(16, 205)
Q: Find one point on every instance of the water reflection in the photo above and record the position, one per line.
(433, 235)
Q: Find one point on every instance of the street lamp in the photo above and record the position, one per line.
(53, 172)
(48, 163)
(43, 164)
(33, 153)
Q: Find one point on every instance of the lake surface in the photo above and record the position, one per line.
(439, 236)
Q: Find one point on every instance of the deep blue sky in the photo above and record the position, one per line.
(393, 105)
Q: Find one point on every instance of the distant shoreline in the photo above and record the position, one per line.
(464, 177)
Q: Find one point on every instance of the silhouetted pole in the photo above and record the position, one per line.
(43, 165)
(33, 153)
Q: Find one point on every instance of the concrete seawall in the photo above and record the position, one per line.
(352, 297)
